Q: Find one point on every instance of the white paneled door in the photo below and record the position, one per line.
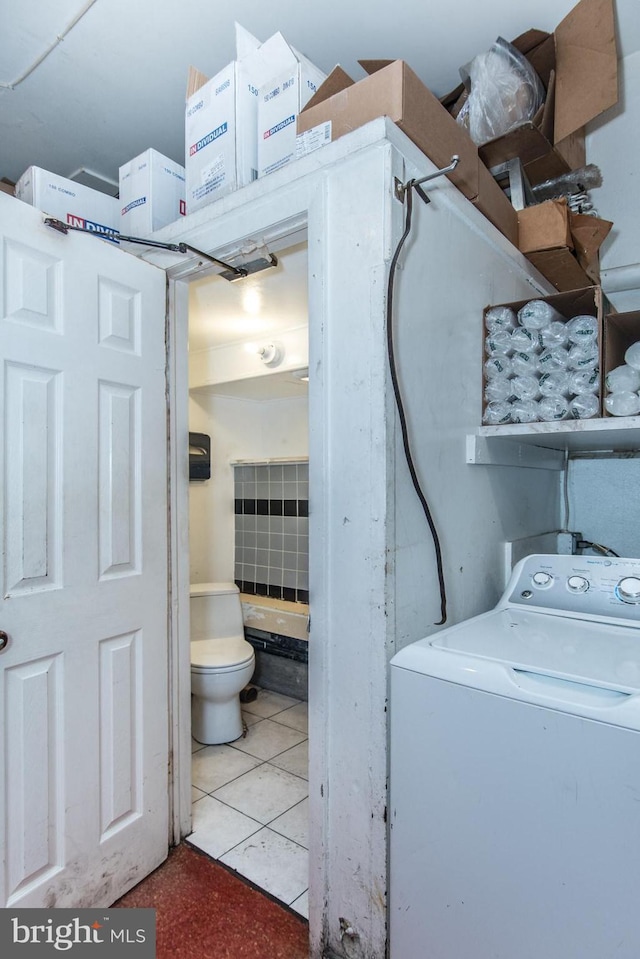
(83, 676)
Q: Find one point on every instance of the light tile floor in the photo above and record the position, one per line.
(250, 799)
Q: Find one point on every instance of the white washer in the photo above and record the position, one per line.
(515, 773)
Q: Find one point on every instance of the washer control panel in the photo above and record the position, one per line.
(593, 585)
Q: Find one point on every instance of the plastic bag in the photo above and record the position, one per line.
(505, 91)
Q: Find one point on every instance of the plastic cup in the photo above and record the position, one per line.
(554, 407)
(584, 406)
(624, 403)
(500, 318)
(496, 414)
(623, 379)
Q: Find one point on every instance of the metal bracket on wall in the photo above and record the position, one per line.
(400, 188)
(229, 272)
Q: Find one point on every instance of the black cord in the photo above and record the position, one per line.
(401, 413)
(598, 547)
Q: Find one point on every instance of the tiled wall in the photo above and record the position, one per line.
(272, 530)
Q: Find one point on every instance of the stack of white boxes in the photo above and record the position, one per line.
(255, 99)
(70, 202)
(280, 101)
(151, 193)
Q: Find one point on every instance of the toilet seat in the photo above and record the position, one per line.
(223, 655)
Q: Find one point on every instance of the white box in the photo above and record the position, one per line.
(210, 129)
(221, 123)
(222, 118)
(70, 202)
(279, 102)
(151, 193)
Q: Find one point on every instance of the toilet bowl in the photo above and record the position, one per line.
(222, 662)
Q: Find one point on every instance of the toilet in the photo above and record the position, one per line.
(222, 662)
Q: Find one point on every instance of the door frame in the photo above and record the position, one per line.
(277, 233)
(341, 202)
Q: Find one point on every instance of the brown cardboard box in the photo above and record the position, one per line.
(578, 65)
(562, 245)
(392, 89)
(588, 301)
(544, 226)
(621, 330)
(9, 188)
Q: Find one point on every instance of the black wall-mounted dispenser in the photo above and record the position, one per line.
(199, 456)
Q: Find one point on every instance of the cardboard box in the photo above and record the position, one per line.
(621, 330)
(221, 126)
(280, 100)
(578, 65)
(70, 202)
(151, 193)
(6, 187)
(392, 89)
(562, 245)
(587, 301)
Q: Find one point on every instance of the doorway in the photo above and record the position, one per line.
(248, 524)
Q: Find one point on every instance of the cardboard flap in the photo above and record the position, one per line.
(337, 81)
(560, 268)
(246, 43)
(572, 149)
(586, 65)
(372, 66)
(589, 233)
(530, 40)
(525, 141)
(545, 121)
(195, 81)
(543, 59)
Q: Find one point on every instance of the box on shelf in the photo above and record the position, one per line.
(221, 126)
(564, 246)
(392, 89)
(578, 66)
(621, 330)
(280, 100)
(70, 202)
(588, 301)
(151, 193)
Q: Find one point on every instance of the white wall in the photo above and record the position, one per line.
(613, 143)
(604, 504)
(239, 429)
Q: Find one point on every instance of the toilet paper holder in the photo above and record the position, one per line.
(199, 456)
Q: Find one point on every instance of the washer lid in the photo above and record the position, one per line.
(577, 650)
(230, 651)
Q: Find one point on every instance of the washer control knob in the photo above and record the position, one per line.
(542, 580)
(628, 589)
(577, 584)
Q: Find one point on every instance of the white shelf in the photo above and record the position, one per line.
(543, 445)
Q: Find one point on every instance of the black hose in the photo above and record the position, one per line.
(401, 413)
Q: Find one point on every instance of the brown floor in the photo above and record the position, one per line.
(205, 912)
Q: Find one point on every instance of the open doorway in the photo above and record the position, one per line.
(248, 525)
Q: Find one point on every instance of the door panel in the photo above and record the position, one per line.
(83, 681)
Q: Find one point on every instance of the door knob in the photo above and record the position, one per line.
(4, 639)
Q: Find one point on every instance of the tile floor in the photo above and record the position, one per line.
(250, 799)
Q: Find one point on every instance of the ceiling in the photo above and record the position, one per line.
(115, 84)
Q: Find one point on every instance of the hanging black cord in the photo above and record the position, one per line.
(401, 414)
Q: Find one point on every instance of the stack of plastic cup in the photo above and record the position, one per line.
(623, 385)
(544, 366)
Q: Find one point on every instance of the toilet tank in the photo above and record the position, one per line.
(216, 611)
